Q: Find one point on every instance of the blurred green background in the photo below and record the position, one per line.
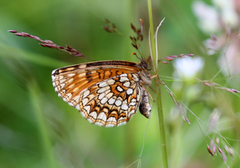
(38, 129)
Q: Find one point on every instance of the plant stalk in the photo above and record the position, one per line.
(159, 98)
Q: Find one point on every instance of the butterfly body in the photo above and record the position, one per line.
(107, 93)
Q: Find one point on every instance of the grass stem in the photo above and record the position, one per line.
(159, 98)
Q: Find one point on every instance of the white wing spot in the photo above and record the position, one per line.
(119, 89)
(62, 80)
(131, 113)
(112, 119)
(53, 78)
(103, 84)
(64, 99)
(109, 125)
(86, 93)
(69, 95)
(111, 82)
(62, 85)
(138, 97)
(133, 102)
(84, 101)
(122, 123)
(129, 91)
(138, 94)
(71, 104)
(118, 103)
(90, 120)
(135, 78)
(75, 98)
(81, 75)
(93, 114)
(126, 84)
(99, 123)
(104, 100)
(124, 107)
(77, 107)
(87, 108)
(82, 66)
(53, 72)
(91, 96)
(122, 79)
(59, 94)
(109, 95)
(102, 116)
(71, 75)
(122, 75)
(101, 90)
(111, 101)
(83, 114)
(101, 96)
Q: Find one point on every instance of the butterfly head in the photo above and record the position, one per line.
(144, 65)
(144, 74)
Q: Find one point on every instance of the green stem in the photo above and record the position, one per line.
(161, 127)
(159, 98)
(153, 48)
(45, 143)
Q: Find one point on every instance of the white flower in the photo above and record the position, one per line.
(207, 16)
(228, 12)
(187, 68)
(210, 18)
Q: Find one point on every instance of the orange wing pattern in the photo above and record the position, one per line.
(106, 93)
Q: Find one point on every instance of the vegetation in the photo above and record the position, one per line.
(38, 129)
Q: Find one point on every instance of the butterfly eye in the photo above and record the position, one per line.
(144, 65)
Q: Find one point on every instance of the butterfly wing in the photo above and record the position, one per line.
(106, 93)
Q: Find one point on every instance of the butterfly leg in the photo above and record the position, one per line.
(154, 76)
(147, 92)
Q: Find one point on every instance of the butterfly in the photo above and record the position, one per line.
(107, 93)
